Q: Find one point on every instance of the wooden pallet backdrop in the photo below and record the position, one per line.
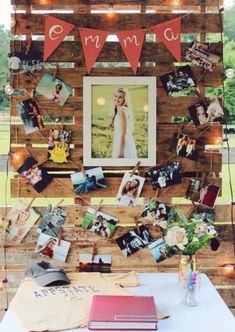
(203, 18)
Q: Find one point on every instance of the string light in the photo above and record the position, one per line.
(229, 73)
(218, 140)
(229, 268)
(9, 90)
(18, 157)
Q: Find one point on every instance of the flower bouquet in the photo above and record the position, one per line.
(186, 238)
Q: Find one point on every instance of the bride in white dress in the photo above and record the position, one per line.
(122, 122)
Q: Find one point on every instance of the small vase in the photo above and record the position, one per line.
(188, 277)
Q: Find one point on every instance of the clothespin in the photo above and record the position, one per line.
(135, 168)
(62, 123)
(28, 45)
(59, 236)
(55, 72)
(30, 204)
(137, 225)
(94, 251)
(157, 192)
(98, 207)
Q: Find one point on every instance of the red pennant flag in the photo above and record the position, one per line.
(55, 31)
(169, 32)
(132, 42)
(92, 43)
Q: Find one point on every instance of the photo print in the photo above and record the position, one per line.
(20, 219)
(208, 194)
(90, 180)
(193, 189)
(25, 63)
(206, 215)
(58, 145)
(160, 214)
(34, 175)
(99, 223)
(158, 250)
(169, 175)
(134, 240)
(30, 115)
(202, 55)
(56, 90)
(50, 247)
(96, 263)
(175, 82)
(206, 111)
(118, 107)
(52, 220)
(185, 146)
(130, 189)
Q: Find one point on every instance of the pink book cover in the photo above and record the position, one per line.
(122, 309)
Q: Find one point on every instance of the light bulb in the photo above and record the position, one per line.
(9, 90)
(101, 101)
(228, 4)
(229, 73)
(146, 108)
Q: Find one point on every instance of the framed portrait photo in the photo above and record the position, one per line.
(119, 117)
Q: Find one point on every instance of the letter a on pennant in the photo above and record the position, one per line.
(92, 43)
(132, 42)
(55, 32)
(169, 32)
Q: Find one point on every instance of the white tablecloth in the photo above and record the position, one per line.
(210, 315)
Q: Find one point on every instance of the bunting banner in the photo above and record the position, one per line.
(55, 32)
(170, 34)
(132, 42)
(92, 43)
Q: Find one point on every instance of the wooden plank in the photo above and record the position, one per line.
(193, 23)
(207, 161)
(208, 135)
(123, 3)
(64, 189)
(70, 51)
(167, 106)
(74, 76)
(228, 295)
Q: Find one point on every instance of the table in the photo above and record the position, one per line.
(211, 314)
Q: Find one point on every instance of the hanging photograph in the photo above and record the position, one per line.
(95, 263)
(50, 247)
(58, 145)
(208, 111)
(55, 90)
(159, 252)
(161, 214)
(51, 220)
(208, 195)
(34, 175)
(130, 189)
(186, 146)
(99, 223)
(177, 81)
(25, 63)
(21, 219)
(87, 181)
(119, 121)
(169, 175)
(202, 55)
(134, 240)
(204, 214)
(30, 115)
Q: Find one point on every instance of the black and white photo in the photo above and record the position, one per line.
(206, 111)
(134, 240)
(51, 220)
(169, 175)
(179, 80)
(25, 63)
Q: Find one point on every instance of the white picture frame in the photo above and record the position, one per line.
(100, 138)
